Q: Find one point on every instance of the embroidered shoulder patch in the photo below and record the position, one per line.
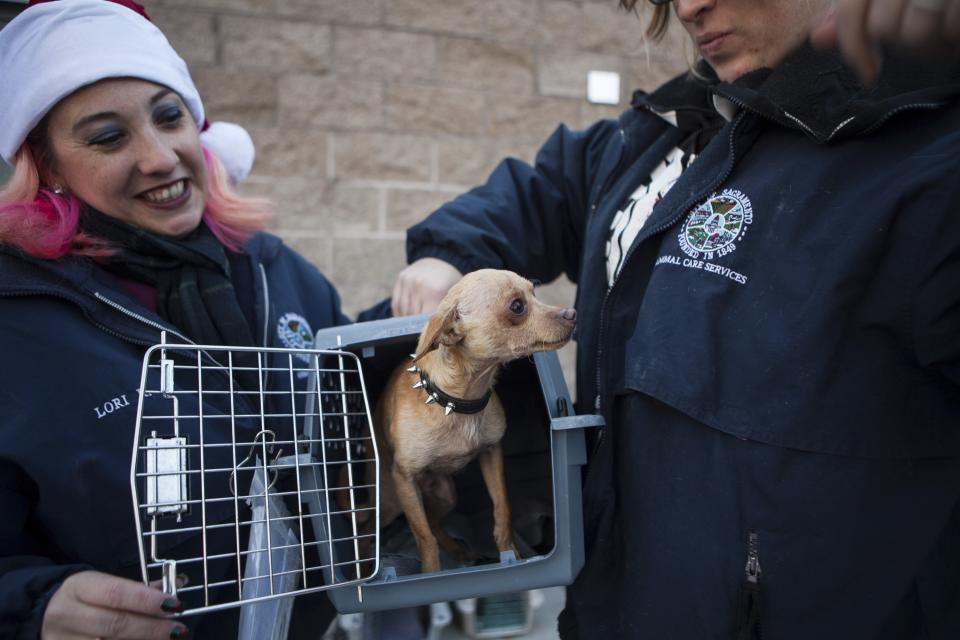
(294, 331)
(713, 229)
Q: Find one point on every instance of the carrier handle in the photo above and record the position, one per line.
(577, 422)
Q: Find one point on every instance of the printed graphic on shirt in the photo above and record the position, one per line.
(712, 231)
(295, 333)
(627, 223)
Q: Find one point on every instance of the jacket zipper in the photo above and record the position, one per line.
(119, 307)
(266, 320)
(915, 105)
(266, 303)
(95, 323)
(876, 125)
(752, 569)
(750, 596)
(137, 316)
(611, 177)
(608, 181)
(811, 131)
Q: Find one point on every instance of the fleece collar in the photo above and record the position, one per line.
(813, 91)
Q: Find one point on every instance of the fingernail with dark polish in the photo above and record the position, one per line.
(171, 605)
(180, 632)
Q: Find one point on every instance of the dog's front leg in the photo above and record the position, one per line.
(491, 465)
(412, 502)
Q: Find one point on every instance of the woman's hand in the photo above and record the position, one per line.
(90, 604)
(858, 26)
(420, 287)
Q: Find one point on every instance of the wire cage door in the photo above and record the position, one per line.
(254, 473)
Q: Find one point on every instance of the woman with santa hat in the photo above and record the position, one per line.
(119, 222)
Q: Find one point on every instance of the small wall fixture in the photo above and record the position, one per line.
(603, 87)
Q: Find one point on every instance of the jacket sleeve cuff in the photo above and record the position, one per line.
(26, 592)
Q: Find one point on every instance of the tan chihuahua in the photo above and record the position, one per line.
(439, 412)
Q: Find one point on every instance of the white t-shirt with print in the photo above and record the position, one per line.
(627, 223)
(629, 220)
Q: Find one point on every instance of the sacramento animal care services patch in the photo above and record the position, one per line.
(712, 231)
(295, 333)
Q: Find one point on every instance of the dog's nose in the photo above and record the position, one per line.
(569, 314)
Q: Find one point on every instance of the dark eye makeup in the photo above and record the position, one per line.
(105, 137)
(168, 114)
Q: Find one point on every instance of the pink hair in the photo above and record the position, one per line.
(45, 224)
(230, 216)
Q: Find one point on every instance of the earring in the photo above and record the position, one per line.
(58, 189)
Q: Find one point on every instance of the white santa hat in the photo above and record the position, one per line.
(54, 48)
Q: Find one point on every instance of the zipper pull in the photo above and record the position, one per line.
(750, 596)
(752, 571)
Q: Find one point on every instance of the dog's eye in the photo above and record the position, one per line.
(518, 306)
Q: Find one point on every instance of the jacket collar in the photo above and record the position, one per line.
(21, 272)
(813, 91)
(82, 282)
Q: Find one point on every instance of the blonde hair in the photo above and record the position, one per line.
(659, 20)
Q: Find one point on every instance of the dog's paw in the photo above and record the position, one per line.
(504, 539)
(430, 563)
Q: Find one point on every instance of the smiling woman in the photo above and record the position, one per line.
(140, 162)
(115, 225)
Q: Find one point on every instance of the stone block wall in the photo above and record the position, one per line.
(368, 114)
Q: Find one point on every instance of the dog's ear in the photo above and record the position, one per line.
(440, 329)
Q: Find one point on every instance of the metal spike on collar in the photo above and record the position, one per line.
(430, 399)
(413, 356)
(448, 409)
(413, 369)
(418, 384)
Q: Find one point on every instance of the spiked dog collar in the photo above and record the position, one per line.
(449, 403)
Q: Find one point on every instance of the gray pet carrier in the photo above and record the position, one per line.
(257, 493)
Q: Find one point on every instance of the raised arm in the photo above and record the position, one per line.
(529, 219)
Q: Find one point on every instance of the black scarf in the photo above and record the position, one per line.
(192, 277)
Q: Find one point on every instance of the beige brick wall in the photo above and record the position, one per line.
(367, 114)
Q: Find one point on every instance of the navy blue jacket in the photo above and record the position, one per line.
(778, 361)
(71, 351)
